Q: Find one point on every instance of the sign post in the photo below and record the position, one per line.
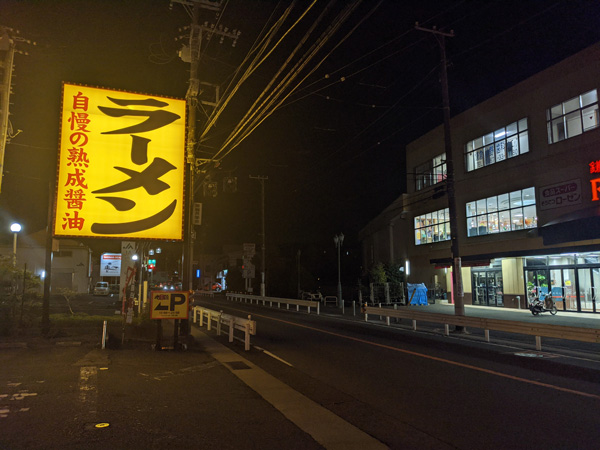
(169, 305)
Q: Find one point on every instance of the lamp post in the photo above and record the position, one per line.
(15, 228)
(339, 240)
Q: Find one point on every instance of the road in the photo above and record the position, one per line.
(396, 384)
(388, 386)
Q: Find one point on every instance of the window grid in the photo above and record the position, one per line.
(573, 117)
(432, 227)
(430, 173)
(502, 213)
(506, 142)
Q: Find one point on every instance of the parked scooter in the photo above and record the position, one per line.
(538, 306)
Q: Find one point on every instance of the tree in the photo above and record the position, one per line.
(378, 274)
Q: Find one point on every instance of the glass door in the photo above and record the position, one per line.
(536, 281)
(494, 288)
(479, 288)
(589, 289)
(487, 288)
(563, 285)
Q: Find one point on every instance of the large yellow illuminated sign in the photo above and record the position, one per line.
(121, 165)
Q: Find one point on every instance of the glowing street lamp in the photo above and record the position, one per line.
(15, 228)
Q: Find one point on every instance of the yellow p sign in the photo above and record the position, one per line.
(169, 305)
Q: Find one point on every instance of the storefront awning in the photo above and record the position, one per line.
(581, 225)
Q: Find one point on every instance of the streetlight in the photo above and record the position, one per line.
(339, 240)
(15, 228)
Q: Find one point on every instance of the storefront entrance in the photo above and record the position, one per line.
(573, 280)
(487, 287)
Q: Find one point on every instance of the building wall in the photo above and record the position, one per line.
(70, 262)
(544, 165)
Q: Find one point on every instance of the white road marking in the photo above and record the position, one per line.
(328, 429)
(266, 352)
(88, 386)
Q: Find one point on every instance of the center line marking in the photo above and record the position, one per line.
(435, 358)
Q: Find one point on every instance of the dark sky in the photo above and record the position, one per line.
(334, 152)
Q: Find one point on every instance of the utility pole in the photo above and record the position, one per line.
(8, 42)
(262, 262)
(457, 285)
(191, 53)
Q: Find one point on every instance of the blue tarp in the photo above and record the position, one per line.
(417, 294)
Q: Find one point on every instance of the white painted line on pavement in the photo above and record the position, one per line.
(266, 352)
(328, 429)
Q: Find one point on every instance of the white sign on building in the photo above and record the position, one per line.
(559, 195)
(110, 265)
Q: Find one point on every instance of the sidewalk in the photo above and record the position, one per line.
(571, 319)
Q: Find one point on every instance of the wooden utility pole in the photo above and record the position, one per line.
(262, 262)
(457, 284)
(192, 55)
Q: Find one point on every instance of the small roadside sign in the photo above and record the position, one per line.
(169, 305)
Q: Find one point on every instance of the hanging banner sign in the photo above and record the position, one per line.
(121, 165)
(169, 305)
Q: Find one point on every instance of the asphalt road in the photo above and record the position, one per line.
(400, 386)
(72, 395)
(390, 386)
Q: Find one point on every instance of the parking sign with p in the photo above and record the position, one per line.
(169, 305)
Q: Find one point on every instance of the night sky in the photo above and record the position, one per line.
(334, 151)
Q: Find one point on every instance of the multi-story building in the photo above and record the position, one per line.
(527, 183)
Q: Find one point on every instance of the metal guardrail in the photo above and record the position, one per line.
(537, 330)
(248, 326)
(205, 293)
(286, 301)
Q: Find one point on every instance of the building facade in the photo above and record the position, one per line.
(527, 188)
(71, 261)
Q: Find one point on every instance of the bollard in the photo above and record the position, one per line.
(487, 335)
(104, 336)
(538, 343)
(247, 337)
(354, 308)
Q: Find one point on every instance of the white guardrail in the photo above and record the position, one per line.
(205, 293)
(286, 301)
(531, 329)
(248, 326)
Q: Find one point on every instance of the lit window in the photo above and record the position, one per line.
(432, 227)
(506, 142)
(501, 213)
(573, 117)
(430, 173)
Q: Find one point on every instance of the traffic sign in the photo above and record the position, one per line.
(169, 305)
